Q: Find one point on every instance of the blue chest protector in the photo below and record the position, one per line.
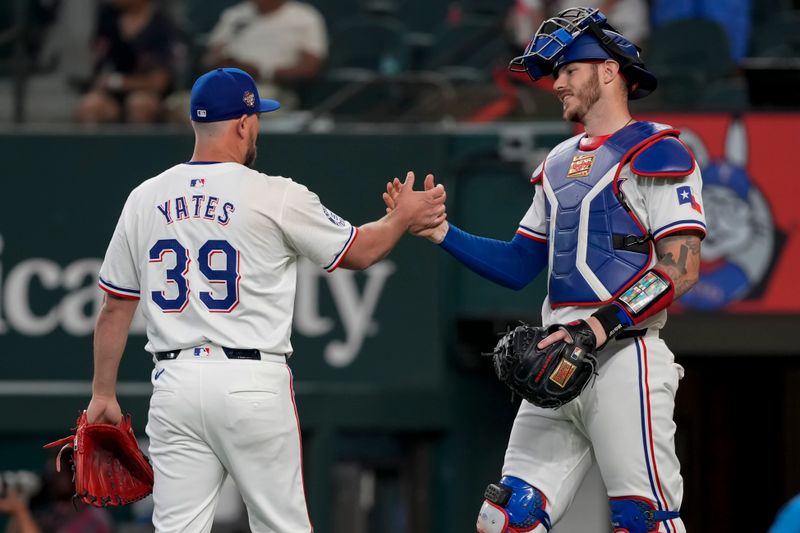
(597, 246)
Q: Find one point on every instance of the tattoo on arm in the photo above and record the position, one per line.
(684, 270)
(668, 260)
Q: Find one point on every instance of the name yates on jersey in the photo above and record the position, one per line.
(196, 206)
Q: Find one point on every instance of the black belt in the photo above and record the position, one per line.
(630, 334)
(232, 353)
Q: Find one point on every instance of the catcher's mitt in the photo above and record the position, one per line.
(548, 377)
(108, 466)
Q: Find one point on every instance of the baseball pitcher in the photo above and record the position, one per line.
(209, 249)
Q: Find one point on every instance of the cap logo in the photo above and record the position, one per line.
(201, 113)
(249, 99)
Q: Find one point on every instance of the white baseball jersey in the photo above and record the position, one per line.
(659, 203)
(211, 250)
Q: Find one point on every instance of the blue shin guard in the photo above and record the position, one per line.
(637, 515)
(512, 506)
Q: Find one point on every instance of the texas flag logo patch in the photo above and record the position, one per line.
(197, 183)
(685, 196)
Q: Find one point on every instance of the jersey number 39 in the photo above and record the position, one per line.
(229, 275)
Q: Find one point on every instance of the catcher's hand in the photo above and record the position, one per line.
(551, 376)
(109, 468)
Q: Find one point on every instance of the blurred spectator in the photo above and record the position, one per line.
(135, 45)
(279, 42)
(733, 15)
(20, 517)
(788, 520)
(629, 17)
(53, 509)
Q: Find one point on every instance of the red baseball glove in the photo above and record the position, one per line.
(109, 468)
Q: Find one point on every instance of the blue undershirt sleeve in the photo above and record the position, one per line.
(513, 264)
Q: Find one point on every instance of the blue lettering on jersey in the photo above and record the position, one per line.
(227, 209)
(211, 206)
(181, 213)
(198, 202)
(201, 207)
(164, 209)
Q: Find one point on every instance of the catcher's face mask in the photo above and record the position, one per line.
(552, 38)
(582, 34)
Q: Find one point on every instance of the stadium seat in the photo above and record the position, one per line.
(465, 50)
(778, 36)
(367, 53)
(691, 59)
(773, 68)
(369, 43)
(8, 34)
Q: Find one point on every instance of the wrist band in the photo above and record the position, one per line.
(651, 293)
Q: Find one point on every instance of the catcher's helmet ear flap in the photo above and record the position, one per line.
(583, 34)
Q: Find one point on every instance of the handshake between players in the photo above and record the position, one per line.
(432, 229)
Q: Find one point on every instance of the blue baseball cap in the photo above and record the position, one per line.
(226, 93)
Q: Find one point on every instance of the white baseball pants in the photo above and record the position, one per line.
(210, 417)
(624, 422)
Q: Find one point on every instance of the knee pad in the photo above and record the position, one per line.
(634, 514)
(512, 506)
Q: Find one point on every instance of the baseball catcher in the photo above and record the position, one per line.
(109, 468)
(551, 376)
(616, 222)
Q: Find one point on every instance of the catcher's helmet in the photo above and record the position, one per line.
(583, 34)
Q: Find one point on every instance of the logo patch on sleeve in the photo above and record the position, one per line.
(563, 372)
(581, 166)
(686, 196)
(333, 217)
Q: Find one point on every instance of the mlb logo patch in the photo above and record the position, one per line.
(202, 351)
(197, 183)
(685, 196)
(581, 166)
